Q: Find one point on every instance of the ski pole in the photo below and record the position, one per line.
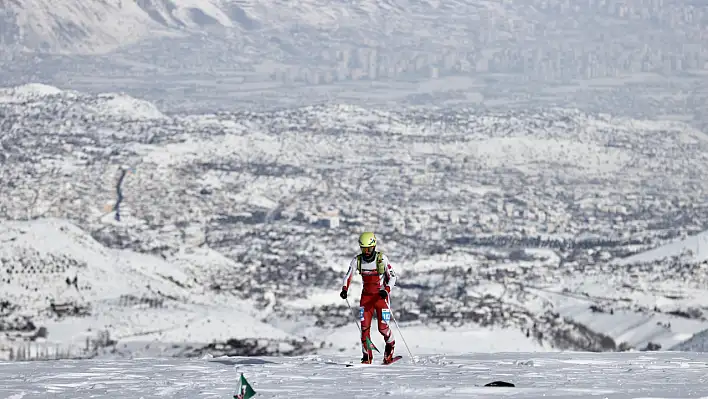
(388, 302)
(352, 312)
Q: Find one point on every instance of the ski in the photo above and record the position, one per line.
(395, 359)
(342, 364)
(348, 364)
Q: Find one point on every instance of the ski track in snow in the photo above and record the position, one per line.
(536, 375)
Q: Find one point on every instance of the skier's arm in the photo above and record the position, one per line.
(348, 277)
(390, 279)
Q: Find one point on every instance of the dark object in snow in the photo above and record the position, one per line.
(119, 194)
(499, 384)
(232, 361)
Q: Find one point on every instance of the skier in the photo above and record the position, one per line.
(378, 278)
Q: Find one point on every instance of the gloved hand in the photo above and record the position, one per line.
(343, 294)
(383, 294)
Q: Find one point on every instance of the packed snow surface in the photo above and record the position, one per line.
(535, 375)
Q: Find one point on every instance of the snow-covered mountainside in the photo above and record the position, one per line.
(524, 223)
(96, 27)
(102, 26)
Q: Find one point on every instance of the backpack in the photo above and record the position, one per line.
(380, 266)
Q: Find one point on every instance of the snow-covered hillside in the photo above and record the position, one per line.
(98, 27)
(69, 295)
(101, 26)
(63, 289)
(512, 222)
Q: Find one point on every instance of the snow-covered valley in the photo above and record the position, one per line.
(233, 229)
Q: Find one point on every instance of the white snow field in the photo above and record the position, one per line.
(559, 266)
(534, 375)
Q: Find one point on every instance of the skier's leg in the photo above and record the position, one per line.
(383, 315)
(366, 313)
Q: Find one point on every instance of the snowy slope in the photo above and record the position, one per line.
(116, 105)
(63, 280)
(84, 26)
(656, 296)
(533, 375)
(508, 222)
(687, 287)
(691, 249)
(101, 26)
(143, 301)
(696, 343)
(98, 27)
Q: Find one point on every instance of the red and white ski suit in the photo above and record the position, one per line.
(370, 301)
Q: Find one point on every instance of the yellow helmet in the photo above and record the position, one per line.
(367, 239)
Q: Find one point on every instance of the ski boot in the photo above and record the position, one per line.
(388, 352)
(367, 358)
